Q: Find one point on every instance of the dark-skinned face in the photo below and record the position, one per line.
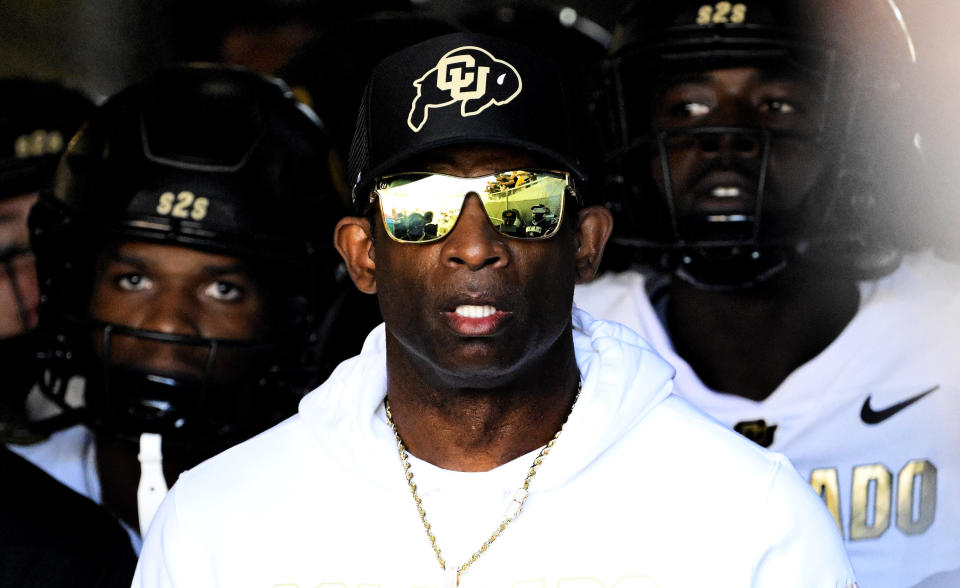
(174, 290)
(720, 173)
(476, 303)
(19, 294)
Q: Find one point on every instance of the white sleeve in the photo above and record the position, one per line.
(803, 547)
(170, 555)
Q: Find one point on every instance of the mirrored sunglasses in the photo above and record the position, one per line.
(421, 207)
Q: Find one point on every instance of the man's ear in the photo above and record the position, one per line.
(353, 238)
(594, 226)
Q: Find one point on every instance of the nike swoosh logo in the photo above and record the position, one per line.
(873, 417)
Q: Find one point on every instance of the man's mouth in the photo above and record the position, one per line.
(476, 320)
(475, 312)
(722, 192)
(726, 183)
(725, 192)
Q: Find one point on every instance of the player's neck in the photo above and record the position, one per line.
(747, 342)
(478, 429)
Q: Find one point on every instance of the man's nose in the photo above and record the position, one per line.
(728, 143)
(171, 311)
(22, 277)
(474, 242)
(741, 135)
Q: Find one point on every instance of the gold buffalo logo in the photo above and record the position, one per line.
(468, 75)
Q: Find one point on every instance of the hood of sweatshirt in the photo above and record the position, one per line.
(623, 380)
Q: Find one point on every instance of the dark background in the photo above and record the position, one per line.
(102, 46)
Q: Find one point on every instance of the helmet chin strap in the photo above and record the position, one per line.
(153, 486)
(727, 273)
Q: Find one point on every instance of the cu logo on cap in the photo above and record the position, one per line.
(470, 76)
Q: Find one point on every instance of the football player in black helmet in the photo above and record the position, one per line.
(765, 160)
(187, 276)
(751, 162)
(37, 118)
(727, 190)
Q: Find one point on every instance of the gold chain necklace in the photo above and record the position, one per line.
(513, 511)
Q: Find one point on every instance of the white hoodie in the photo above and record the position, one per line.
(892, 480)
(641, 490)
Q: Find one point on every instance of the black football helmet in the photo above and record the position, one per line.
(37, 119)
(217, 159)
(854, 219)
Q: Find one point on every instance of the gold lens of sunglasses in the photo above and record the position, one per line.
(423, 207)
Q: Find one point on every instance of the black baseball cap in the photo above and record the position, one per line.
(456, 89)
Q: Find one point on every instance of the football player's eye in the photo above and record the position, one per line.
(779, 106)
(134, 282)
(689, 109)
(223, 291)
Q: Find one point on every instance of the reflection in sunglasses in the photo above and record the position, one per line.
(423, 207)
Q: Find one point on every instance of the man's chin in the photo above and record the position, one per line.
(481, 363)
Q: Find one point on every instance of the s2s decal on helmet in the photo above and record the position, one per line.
(722, 13)
(468, 75)
(183, 205)
(38, 143)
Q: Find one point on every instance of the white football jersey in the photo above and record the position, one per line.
(873, 422)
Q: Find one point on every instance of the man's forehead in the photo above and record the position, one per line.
(761, 73)
(143, 251)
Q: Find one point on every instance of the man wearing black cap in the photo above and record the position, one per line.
(486, 436)
(539, 223)
(510, 223)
